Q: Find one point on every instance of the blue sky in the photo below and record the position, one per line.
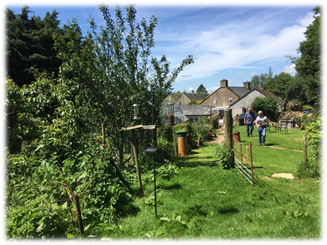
(232, 42)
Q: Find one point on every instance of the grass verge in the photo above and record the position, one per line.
(204, 201)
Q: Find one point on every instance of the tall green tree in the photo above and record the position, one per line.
(59, 120)
(202, 90)
(30, 46)
(279, 84)
(111, 69)
(257, 79)
(308, 65)
(264, 78)
(295, 90)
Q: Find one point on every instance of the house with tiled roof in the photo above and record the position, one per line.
(240, 106)
(237, 98)
(193, 112)
(226, 95)
(183, 98)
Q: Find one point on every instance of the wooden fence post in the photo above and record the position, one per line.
(228, 131)
(304, 148)
(175, 147)
(252, 177)
(79, 214)
(135, 153)
(102, 133)
(241, 153)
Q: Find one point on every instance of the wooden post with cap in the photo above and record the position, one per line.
(228, 133)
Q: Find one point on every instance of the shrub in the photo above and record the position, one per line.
(312, 168)
(268, 105)
(225, 156)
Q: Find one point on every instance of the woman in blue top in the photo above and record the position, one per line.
(261, 122)
(249, 118)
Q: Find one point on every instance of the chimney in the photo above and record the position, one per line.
(246, 85)
(178, 92)
(224, 83)
(261, 86)
(193, 92)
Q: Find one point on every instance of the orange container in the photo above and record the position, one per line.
(182, 144)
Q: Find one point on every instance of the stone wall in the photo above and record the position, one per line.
(222, 96)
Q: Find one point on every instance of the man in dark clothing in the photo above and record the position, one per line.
(249, 118)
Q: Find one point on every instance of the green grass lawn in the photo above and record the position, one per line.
(279, 155)
(205, 201)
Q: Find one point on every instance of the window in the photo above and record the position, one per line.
(243, 110)
(215, 101)
(230, 100)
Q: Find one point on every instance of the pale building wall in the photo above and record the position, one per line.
(245, 102)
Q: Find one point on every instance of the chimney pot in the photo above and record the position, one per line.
(224, 83)
(261, 86)
(246, 85)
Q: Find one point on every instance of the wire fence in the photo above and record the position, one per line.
(243, 160)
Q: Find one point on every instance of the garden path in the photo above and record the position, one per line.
(219, 139)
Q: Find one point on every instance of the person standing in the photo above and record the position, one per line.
(249, 118)
(261, 122)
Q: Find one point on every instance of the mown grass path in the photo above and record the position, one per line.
(204, 201)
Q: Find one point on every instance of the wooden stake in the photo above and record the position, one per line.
(228, 131)
(135, 153)
(79, 214)
(173, 128)
(304, 147)
(102, 131)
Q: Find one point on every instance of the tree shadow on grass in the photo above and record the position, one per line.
(270, 144)
(194, 161)
(194, 152)
(126, 207)
(230, 210)
(197, 210)
(170, 187)
(194, 164)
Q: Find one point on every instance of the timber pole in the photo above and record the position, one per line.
(304, 148)
(135, 153)
(228, 131)
(102, 134)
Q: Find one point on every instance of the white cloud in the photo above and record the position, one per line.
(234, 43)
(210, 90)
(191, 88)
(289, 69)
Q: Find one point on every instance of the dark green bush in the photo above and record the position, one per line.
(312, 168)
(268, 105)
(225, 156)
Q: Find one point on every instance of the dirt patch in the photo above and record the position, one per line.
(277, 147)
(298, 150)
(283, 175)
(280, 175)
(218, 139)
(298, 139)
